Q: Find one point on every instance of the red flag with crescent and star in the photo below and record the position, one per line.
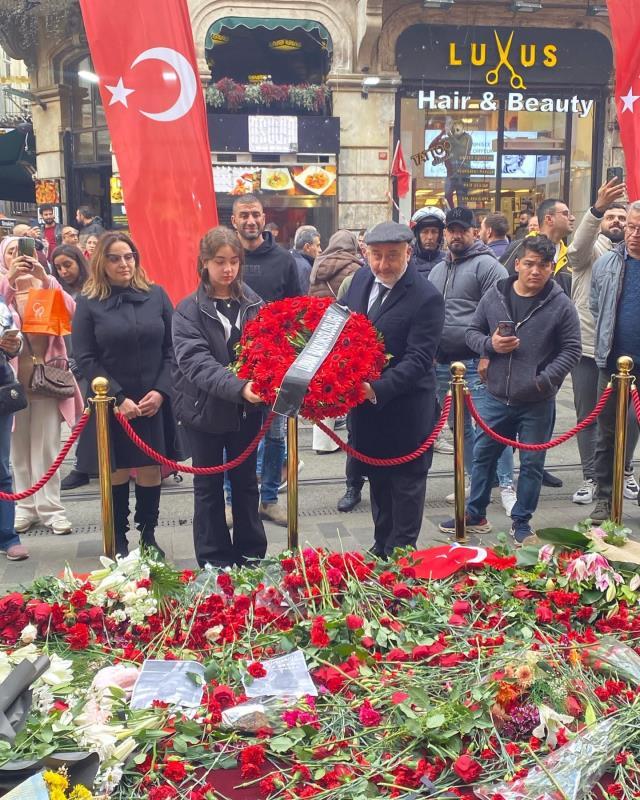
(144, 57)
(625, 26)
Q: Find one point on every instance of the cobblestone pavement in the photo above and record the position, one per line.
(321, 485)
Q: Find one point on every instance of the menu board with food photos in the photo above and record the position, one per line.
(306, 180)
(47, 191)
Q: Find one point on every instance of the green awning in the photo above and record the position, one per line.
(17, 165)
(271, 24)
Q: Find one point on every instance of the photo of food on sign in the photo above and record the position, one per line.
(299, 180)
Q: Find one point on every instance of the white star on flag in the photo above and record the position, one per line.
(629, 100)
(119, 94)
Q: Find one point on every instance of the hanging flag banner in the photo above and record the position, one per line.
(624, 16)
(400, 172)
(144, 56)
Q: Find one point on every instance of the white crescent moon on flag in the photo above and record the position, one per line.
(186, 78)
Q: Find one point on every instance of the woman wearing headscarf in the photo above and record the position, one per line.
(340, 259)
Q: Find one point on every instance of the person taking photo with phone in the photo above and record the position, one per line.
(527, 334)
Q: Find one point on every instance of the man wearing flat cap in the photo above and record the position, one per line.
(400, 409)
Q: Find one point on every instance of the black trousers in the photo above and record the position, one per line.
(211, 538)
(397, 505)
(353, 468)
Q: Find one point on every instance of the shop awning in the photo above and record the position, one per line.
(17, 165)
(271, 24)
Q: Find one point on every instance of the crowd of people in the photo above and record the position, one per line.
(522, 312)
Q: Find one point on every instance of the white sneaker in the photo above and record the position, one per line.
(631, 487)
(508, 497)
(61, 527)
(451, 498)
(584, 495)
(442, 445)
(23, 524)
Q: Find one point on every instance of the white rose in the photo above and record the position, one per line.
(29, 633)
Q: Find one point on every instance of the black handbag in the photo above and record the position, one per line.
(12, 398)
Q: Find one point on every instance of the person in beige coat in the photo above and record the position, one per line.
(341, 259)
(599, 231)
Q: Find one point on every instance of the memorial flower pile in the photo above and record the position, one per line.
(514, 678)
(272, 341)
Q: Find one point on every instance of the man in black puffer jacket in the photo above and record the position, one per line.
(428, 228)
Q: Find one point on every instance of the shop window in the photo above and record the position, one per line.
(89, 127)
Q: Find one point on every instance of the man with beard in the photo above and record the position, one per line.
(600, 230)
(306, 246)
(271, 272)
(428, 228)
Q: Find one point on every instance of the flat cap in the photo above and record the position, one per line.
(389, 233)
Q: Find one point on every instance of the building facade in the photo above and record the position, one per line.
(494, 108)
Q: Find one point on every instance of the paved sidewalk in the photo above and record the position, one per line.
(321, 485)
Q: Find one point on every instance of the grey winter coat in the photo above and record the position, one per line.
(587, 245)
(549, 344)
(462, 281)
(606, 286)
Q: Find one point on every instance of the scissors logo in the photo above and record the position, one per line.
(504, 52)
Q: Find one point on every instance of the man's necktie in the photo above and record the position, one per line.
(382, 293)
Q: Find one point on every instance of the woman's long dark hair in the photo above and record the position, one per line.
(75, 254)
(210, 243)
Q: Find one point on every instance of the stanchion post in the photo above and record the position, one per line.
(624, 379)
(292, 483)
(101, 403)
(458, 371)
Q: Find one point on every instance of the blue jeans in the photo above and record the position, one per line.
(531, 423)
(478, 391)
(8, 535)
(272, 460)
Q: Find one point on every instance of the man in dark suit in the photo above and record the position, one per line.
(400, 409)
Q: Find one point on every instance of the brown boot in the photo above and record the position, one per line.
(274, 513)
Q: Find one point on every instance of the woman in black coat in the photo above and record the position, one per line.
(218, 410)
(122, 332)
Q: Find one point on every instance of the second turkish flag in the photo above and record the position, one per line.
(144, 56)
(625, 26)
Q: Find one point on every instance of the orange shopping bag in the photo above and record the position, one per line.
(45, 312)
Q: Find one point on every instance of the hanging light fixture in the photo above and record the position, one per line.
(597, 10)
(285, 45)
(219, 38)
(526, 5)
(437, 3)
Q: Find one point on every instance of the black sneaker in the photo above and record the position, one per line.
(548, 479)
(473, 525)
(602, 511)
(521, 531)
(74, 480)
(349, 500)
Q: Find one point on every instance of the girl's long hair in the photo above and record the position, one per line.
(210, 243)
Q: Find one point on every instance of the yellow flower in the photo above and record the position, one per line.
(80, 793)
(56, 793)
(55, 780)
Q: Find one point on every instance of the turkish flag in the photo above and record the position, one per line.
(144, 56)
(400, 172)
(624, 16)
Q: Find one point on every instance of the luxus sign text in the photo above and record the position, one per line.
(515, 101)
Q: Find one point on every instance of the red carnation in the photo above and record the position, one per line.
(354, 622)
(368, 716)
(252, 758)
(175, 771)
(78, 636)
(319, 635)
(401, 590)
(256, 670)
(461, 607)
(467, 768)
(544, 613)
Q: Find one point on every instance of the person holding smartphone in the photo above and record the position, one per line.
(527, 333)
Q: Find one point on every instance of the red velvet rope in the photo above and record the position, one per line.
(393, 462)
(54, 467)
(546, 445)
(175, 465)
(635, 399)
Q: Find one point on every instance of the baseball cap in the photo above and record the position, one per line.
(461, 216)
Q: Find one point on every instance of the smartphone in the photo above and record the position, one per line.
(615, 172)
(26, 246)
(12, 331)
(506, 328)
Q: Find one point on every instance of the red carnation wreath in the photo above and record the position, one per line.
(272, 341)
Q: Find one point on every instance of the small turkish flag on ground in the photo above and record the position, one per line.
(400, 172)
(625, 26)
(144, 57)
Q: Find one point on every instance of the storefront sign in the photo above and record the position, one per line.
(271, 134)
(514, 101)
(507, 58)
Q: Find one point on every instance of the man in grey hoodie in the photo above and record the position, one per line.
(467, 273)
(527, 331)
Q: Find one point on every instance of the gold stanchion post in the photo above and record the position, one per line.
(292, 483)
(624, 379)
(101, 403)
(458, 371)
